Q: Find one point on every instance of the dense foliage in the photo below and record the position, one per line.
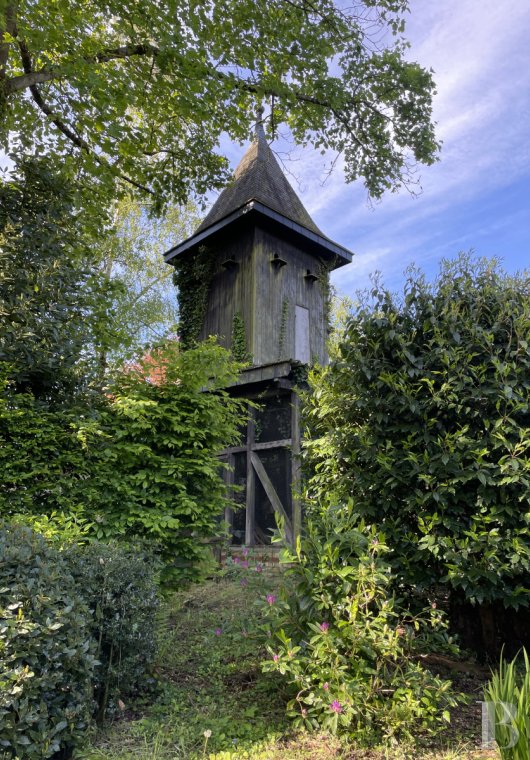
(141, 92)
(142, 466)
(160, 478)
(119, 587)
(423, 421)
(344, 642)
(54, 300)
(46, 652)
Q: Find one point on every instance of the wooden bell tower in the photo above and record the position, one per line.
(269, 291)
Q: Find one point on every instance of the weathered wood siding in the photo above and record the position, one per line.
(231, 290)
(267, 297)
(278, 291)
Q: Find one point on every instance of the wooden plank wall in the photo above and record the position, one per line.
(276, 286)
(231, 290)
(266, 296)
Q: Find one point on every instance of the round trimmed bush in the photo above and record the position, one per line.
(46, 651)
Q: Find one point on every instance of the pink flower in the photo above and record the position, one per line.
(245, 551)
(324, 627)
(235, 560)
(304, 712)
(244, 563)
(433, 605)
(271, 599)
(401, 631)
(259, 569)
(336, 706)
(325, 686)
(218, 631)
(275, 657)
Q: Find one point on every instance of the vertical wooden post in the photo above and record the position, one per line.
(296, 466)
(229, 480)
(251, 485)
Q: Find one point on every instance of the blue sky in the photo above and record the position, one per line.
(478, 195)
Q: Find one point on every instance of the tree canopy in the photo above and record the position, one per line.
(142, 92)
(145, 307)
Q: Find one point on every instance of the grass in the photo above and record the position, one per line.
(214, 702)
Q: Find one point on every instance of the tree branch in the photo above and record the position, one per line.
(67, 131)
(30, 78)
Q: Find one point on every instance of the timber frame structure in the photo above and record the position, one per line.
(264, 385)
(269, 296)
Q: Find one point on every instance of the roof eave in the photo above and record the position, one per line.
(343, 255)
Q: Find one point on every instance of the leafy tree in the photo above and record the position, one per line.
(54, 301)
(142, 91)
(145, 305)
(423, 421)
(159, 474)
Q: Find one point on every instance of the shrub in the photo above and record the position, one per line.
(159, 478)
(423, 421)
(46, 652)
(119, 588)
(144, 465)
(44, 461)
(507, 696)
(347, 646)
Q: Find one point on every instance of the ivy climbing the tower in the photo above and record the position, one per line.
(283, 327)
(193, 277)
(324, 270)
(239, 340)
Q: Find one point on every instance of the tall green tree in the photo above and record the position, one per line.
(55, 303)
(142, 91)
(145, 309)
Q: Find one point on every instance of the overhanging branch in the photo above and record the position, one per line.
(66, 130)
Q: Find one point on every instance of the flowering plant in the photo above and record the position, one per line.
(345, 644)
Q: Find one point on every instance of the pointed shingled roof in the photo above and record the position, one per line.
(260, 189)
(259, 177)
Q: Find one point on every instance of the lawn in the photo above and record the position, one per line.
(212, 701)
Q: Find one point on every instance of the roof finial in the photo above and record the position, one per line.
(258, 130)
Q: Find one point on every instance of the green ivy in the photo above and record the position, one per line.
(193, 277)
(239, 340)
(324, 270)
